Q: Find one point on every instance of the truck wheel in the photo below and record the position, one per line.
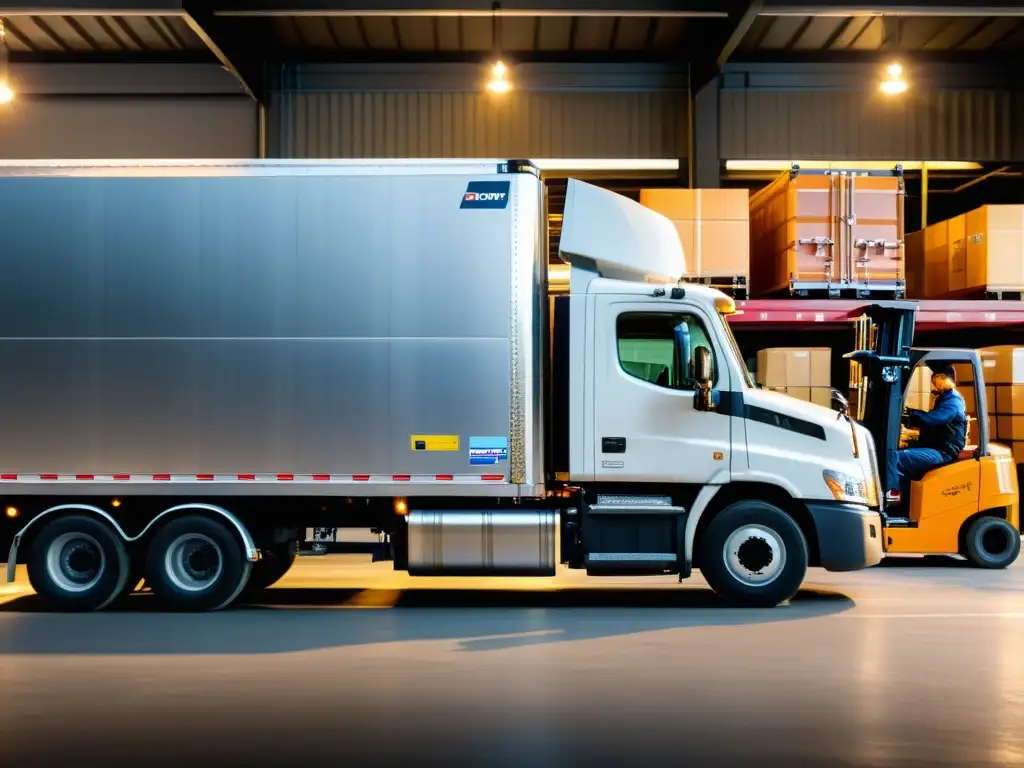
(991, 542)
(78, 563)
(270, 570)
(196, 564)
(753, 554)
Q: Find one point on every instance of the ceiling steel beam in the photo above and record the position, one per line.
(485, 8)
(742, 19)
(905, 8)
(240, 51)
(721, 40)
(93, 8)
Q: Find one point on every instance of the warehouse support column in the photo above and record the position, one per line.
(924, 196)
(705, 160)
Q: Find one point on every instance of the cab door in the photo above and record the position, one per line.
(646, 425)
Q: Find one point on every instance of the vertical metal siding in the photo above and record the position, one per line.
(647, 124)
(135, 127)
(976, 125)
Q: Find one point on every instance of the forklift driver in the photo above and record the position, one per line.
(942, 435)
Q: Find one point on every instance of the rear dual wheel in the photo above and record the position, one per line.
(78, 563)
(195, 563)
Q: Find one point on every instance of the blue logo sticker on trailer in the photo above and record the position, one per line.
(485, 451)
(486, 194)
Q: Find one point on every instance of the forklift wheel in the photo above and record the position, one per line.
(992, 542)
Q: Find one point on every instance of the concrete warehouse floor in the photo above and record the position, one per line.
(909, 666)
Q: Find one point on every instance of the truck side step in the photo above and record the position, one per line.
(634, 505)
(899, 522)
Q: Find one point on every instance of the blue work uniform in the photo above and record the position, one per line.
(942, 436)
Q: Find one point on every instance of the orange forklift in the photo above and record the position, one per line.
(968, 508)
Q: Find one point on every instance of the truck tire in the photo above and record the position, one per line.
(196, 564)
(78, 563)
(753, 554)
(991, 543)
(270, 570)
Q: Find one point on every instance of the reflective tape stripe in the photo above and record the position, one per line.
(12, 477)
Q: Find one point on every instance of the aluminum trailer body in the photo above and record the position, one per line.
(282, 328)
(202, 360)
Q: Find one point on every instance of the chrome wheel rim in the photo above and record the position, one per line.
(755, 555)
(75, 562)
(193, 562)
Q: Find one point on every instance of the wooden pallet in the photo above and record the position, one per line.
(731, 285)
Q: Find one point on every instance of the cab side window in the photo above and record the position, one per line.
(647, 344)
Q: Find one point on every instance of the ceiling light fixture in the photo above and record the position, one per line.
(893, 83)
(499, 79)
(499, 82)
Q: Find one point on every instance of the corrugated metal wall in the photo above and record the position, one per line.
(128, 111)
(449, 116)
(130, 128)
(841, 115)
(472, 125)
(942, 125)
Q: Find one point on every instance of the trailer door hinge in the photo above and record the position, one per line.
(819, 244)
(881, 245)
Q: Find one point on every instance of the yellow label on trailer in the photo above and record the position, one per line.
(434, 442)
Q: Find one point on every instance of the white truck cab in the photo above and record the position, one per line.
(661, 400)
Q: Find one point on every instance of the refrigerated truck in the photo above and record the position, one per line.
(202, 359)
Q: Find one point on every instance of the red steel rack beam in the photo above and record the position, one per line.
(936, 314)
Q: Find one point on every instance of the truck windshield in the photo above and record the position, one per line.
(748, 382)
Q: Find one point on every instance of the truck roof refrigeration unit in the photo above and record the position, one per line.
(202, 359)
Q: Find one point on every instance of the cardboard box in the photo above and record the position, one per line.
(995, 248)
(914, 255)
(822, 396)
(715, 248)
(936, 260)
(1008, 399)
(795, 367)
(708, 204)
(970, 401)
(800, 393)
(957, 249)
(1009, 427)
(1003, 365)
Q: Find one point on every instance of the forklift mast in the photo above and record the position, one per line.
(885, 359)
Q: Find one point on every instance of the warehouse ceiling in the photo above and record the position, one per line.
(246, 35)
(874, 33)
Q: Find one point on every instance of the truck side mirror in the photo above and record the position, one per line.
(702, 375)
(702, 367)
(840, 403)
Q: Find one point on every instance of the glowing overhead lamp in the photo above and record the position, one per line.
(499, 82)
(893, 83)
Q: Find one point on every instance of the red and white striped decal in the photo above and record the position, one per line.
(22, 477)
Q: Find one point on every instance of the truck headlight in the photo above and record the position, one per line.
(846, 487)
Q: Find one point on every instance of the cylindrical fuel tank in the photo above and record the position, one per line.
(492, 542)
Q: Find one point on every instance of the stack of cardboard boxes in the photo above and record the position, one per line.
(1004, 377)
(713, 226)
(979, 251)
(803, 373)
